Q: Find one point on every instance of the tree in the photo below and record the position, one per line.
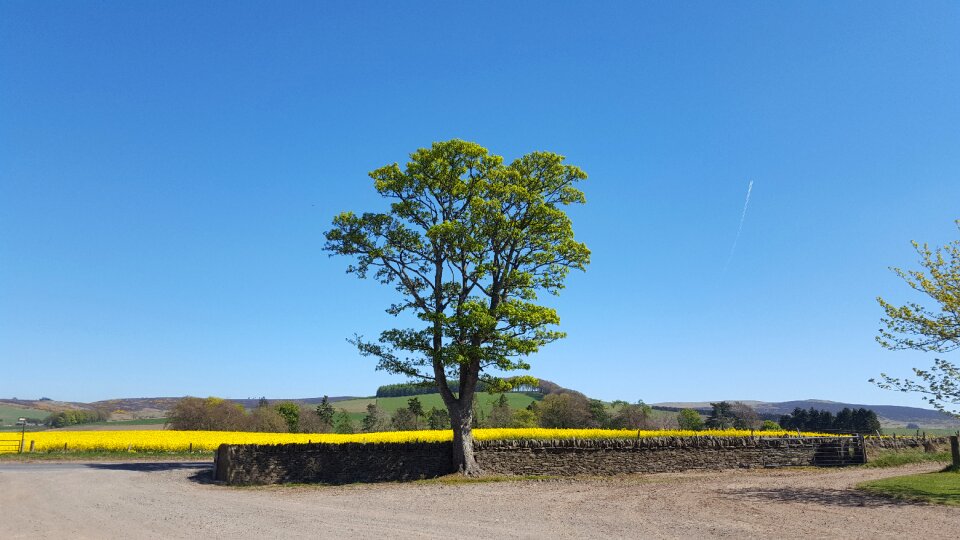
(325, 411)
(291, 415)
(721, 417)
(404, 420)
(844, 420)
(566, 410)
(342, 423)
(524, 418)
(468, 242)
(769, 425)
(689, 419)
(599, 417)
(632, 417)
(744, 417)
(310, 421)
(865, 421)
(266, 420)
(501, 415)
(913, 326)
(373, 420)
(438, 418)
(210, 414)
(416, 407)
(859, 420)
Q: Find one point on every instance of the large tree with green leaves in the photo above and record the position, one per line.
(934, 327)
(468, 242)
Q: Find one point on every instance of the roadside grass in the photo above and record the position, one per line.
(930, 432)
(936, 487)
(135, 422)
(105, 456)
(885, 457)
(458, 479)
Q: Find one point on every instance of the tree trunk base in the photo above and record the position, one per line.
(470, 472)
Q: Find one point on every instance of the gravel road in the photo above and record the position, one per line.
(176, 500)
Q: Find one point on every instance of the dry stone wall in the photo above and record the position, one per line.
(642, 456)
(898, 443)
(347, 463)
(331, 463)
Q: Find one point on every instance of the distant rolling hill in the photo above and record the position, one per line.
(158, 407)
(889, 415)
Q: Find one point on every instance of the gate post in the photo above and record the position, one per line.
(955, 451)
(859, 449)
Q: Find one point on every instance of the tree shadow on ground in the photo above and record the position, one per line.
(153, 466)
(203, 474)
(827, 497)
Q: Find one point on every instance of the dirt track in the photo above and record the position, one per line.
(175, 500)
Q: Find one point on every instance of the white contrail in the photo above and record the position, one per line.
(743, 216)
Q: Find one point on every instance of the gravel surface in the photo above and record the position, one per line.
(176, 500)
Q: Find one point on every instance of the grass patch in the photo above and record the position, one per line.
(931, 432)
(937, 488)
(135, 422)
(106, 456)
(885, 457)
(517, 400)
(9, 414)
(457, 479)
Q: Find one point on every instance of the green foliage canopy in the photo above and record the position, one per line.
(291, 415)
(914, 326)
(468, 242)
(689, 419)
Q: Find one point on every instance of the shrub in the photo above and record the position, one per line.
(342, 423)
(632, 417)
(769, 425)
(210, 414)
(567, 410)
(74, 417)
(438, 418)
(374, 420)
(689, 419)
(291, 415)
(267, 420)
(404, 420)
(524, 418)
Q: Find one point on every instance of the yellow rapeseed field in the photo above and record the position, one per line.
(179, 441)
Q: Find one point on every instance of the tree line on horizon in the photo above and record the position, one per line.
(563, 408)
(566, 409)
(860, 420)
(406, 389)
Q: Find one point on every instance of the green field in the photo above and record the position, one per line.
(932, 432)
(135, 422)
(888, 457)
(9, 414)
(518, 400)
(358, 407)
(939, 488)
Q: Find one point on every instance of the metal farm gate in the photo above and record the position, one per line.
(840, 451)
(9, 446)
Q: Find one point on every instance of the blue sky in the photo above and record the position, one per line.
(167, 170)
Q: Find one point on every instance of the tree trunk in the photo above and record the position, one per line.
(463, 458)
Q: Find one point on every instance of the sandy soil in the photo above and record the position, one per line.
(176, 500)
